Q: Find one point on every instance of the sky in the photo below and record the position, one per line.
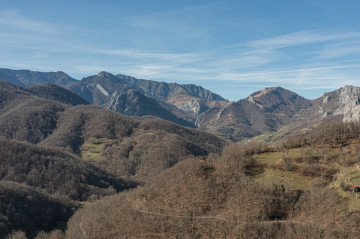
(231, 47)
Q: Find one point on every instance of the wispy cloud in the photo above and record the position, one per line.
(174, 24)
(12, 19)
(327, 77)
(146, 55)
(246, 64)
(339, 49)
(322, 63)
(300, 38)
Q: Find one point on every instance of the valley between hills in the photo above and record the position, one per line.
(112, 156)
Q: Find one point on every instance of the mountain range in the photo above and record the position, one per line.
(267, 110)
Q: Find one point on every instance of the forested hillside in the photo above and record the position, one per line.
(298, 190)
(60, 152)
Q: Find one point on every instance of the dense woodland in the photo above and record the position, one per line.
(73, 170)
(24, 208)
(66, 154)
(228, 196)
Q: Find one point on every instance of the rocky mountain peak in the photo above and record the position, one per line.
(278, 98)
(104, 74)
(266, 90)
(348, 91)
(349, 103)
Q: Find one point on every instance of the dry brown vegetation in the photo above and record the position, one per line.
(84, 153)
(55, 171)
(56, 93)
(331, 133)
(42, 143)
(217, 197)
(135, 148)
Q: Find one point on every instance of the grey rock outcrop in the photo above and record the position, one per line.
(193, 106)
(349, 103)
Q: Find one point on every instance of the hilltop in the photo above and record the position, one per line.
(263, 111)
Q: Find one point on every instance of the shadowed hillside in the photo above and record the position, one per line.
(27, 209)
(135, 103)
(56, 172)
(25, 116)
(57, 93)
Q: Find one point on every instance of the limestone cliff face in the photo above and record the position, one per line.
(349, 103)
(193, 106)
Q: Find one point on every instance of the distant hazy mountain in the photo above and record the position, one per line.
(27, 78)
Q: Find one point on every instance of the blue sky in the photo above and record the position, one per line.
(231, 47)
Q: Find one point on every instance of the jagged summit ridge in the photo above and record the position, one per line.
(185, 102)
(267, 90)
